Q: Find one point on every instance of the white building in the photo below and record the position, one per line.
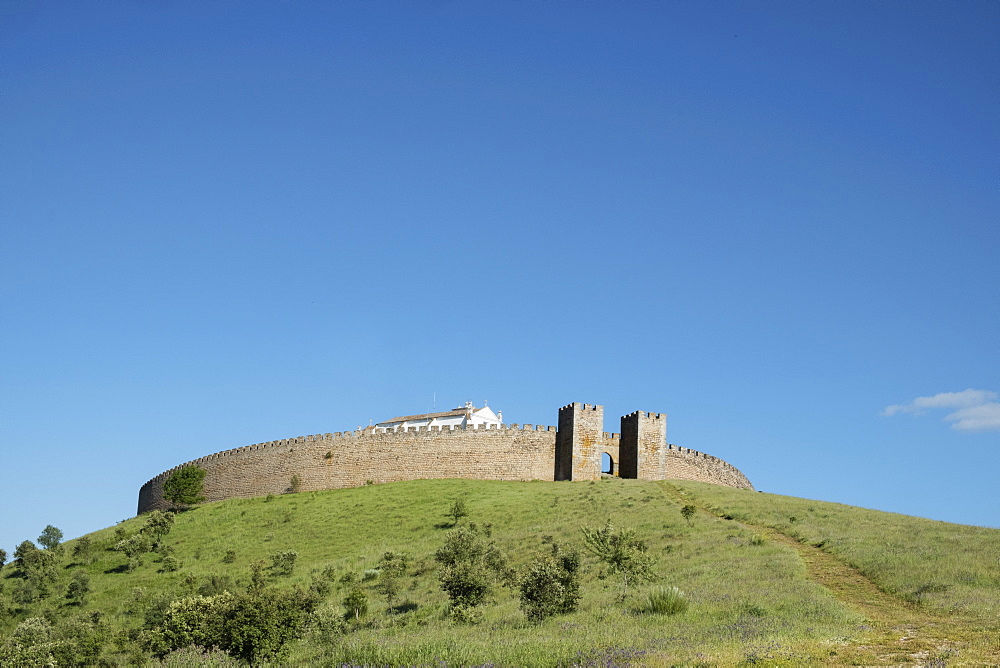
(464, 416)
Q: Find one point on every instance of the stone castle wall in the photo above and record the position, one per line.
(510, 452)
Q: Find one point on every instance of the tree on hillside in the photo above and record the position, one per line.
(184, 486)
(458, 511)
(687, 512)
(470, 566)
(50, 538)
(3, 557)
(550, 585)
(158, 524)
(623, 552)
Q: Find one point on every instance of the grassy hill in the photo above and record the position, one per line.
(769, 580)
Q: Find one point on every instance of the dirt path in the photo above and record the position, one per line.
(900, 633)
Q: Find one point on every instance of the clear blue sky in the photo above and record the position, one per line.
(231, 222)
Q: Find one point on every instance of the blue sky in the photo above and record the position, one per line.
(231, 222)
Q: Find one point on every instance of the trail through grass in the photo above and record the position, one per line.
(901, 630)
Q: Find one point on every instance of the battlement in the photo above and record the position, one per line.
(571, 451)
(650, 416)
(582, 407)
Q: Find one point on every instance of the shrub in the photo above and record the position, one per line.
(457, 511)
(78, 588)
(170, 564)
(623, 552)
(24, 549)
(158, 525)
(550, 585)
(665, 601)
(463, 614)
(469, 566)
(37, 566)
(229, 557)
(82, 548)
(296, 484)
(283, 563)
(687, 512)
(133, 548)
(252, 626)
(355, 604)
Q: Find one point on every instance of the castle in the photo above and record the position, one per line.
(464, 443)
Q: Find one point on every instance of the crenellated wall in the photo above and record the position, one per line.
(506, 452)
(352, 458)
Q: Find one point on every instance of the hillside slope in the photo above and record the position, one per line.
(768, 579)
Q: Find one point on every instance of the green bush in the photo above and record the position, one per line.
(158, 525)
(252, 626)
(623, 552)
(355, 604)
(470, 565)
(82, 548)
(457, 511)
(283, 563)
(550, 585)
(79, 587)
(687, 512)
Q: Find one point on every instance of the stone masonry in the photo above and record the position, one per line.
(643, 438)
(508, 452)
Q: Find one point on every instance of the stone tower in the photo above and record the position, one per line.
(578, 454)
(643, 446)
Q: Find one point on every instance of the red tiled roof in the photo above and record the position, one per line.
(427, 416)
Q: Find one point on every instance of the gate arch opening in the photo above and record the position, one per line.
(607, 464)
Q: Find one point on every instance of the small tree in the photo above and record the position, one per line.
(687, 512)
(37, 566)
(457, 511)
(50, 538)
(184, 486)
(133, 548)
(623, 553)
(391, 567)
(23, 550)
(3, 557)
(550, 585)
(470, 566)
(158, 525)
(283, 563)
(81, 548)
(78, 588)
(355, 604)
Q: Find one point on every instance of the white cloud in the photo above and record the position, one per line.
(985, 417)
(978, 410)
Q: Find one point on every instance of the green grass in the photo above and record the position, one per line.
(749, 599)
(947, 567)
